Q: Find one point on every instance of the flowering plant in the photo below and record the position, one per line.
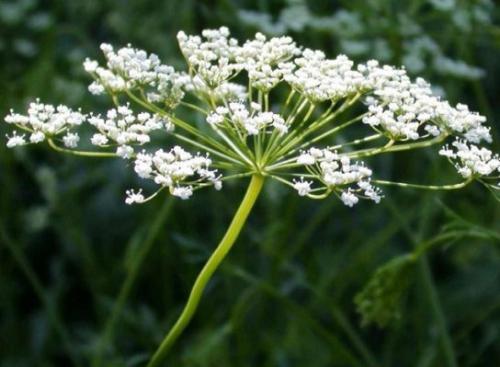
(246, 132)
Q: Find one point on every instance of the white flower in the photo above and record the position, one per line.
(212, 55)
(471, 160)
(247, 136)
(15, 140)
(44, 120)
(128, 68)
(90, 66)
(279, 124)
(321, 79)
(370, 191)
(215, 119)
(126, 129)
(37, 137)
(172, 168)
(266, 61)
(96, 89)
(306, 159)
(335, 172)
(302, 187)
(248, 122)
(348, 198)
(184, 192)
(433, 130)
(71, 140)
(400, 106)
(226, 91)
(134, 197)
(457, 68)
(125, 151)
(218, 185)
(99, 139)
(447, 152)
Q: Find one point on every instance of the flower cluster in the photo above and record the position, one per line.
(45, 121)
(321, 79)
(125, 129)
(267, 61)
(249, 123)
(337, 173)
(248, 135)
(210, 56)
(172, 169)
(471, 160)
(216, 57)
(130, 68)
(226, 91)
(406, 110)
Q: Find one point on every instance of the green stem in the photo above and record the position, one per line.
(80, 152)
(400, 147)
(211, 265)
(456, 186)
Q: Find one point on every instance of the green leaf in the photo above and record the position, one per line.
(380, 300)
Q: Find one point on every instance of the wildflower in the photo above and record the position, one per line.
(125, 151)
(128, 69)
(471, 160)
(37, 137)
(266, 61)
(211, 55)
(182, 192)
(246, 135)
(134, 197)
(99, 139)
(171, 169)
(46, 121)
(121, 126)
(15, 140)
(71, 140)
(303, 187)
(348, 198)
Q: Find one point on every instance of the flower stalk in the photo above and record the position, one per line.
(225, 245)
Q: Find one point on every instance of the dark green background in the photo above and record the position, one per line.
(284, 297)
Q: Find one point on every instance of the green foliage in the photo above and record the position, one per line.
(380, 300)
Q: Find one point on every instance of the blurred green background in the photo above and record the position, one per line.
(87, 281)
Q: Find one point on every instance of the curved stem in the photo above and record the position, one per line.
(211, 265)
(456, 186)
(399, 147)
(80, 152)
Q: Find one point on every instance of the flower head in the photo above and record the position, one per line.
(124, 128)
(250, 129)
(45, 121)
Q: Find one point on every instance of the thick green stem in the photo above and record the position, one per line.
(211, 265)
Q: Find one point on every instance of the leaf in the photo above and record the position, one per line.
(380, 300)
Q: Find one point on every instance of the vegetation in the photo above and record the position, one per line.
(86, 280)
